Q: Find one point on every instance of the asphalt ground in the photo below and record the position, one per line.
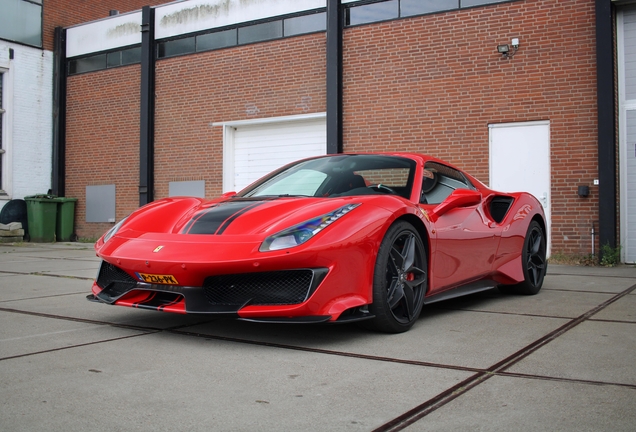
(563, 360)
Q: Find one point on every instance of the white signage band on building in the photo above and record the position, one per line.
(175, 19)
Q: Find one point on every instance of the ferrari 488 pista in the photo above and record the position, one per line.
(348, 237)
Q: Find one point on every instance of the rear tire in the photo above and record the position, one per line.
(399, 280)
(533, 261)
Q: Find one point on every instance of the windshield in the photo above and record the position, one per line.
(337, 176)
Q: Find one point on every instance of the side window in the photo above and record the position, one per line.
(439, 181)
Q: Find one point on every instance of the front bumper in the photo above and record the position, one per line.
(178, 273)
(224, 294)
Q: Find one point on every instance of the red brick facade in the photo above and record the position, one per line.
(428, 84)
(103, 140)
(99, 120)
(433, 84)
(270, 79)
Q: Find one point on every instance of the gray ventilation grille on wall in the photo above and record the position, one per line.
(100, 203)
(194, 188)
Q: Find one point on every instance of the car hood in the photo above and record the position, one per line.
(250, 216)
(239, 224)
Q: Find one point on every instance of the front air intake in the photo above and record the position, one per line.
(114, 281)
(284, 287)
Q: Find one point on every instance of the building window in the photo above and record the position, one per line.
(273, 29)
(305, 24)
(384, 10)
(421, 7)
(21, 21)
(469, 3)
(374, 12)
(260, 32)
(112, 59)
(217, 40)
(176, 47)
(87, 64)
(123, 57)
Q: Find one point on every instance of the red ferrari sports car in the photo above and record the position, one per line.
(338, 238)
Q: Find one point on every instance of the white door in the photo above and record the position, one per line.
(520, 161)
(626, 23)
(253, 149)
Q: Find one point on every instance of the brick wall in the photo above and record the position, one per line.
(102, 140)
(428, 84)
(270, 79)
(277, 78)
(433, 84)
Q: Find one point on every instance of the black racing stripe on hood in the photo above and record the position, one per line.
(216, 219)
(232, 218)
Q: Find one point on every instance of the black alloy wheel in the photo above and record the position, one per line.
(533, 259)
(399, 280)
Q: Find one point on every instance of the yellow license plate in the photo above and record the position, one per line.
(157, 279)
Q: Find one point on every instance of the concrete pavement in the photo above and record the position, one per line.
(562, 360)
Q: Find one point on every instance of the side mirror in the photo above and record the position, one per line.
(228, 194)
(459, 198)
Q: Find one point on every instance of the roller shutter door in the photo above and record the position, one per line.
(261, 148)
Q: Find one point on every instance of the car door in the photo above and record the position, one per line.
(463, 242)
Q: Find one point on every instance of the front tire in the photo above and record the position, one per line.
(533, 260)
(399, 280)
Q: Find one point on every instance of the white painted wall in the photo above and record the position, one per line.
(29, 105)
(196, 15)
(108, 33)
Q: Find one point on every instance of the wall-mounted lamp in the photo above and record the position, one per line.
(508, 51)
(583, 191)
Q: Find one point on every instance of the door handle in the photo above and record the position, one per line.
(544, 200)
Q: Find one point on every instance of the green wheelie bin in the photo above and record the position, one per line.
(41, 217)
(65, 226)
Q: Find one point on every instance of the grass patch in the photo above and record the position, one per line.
(587, 260)
(611, 257)
(87, 239)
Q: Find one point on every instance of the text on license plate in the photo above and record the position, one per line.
(157, 279)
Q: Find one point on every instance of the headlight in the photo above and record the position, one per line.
(302, 232)
(111, 232)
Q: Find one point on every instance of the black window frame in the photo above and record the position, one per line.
(71, 63)
(236, 28)
(361, 4)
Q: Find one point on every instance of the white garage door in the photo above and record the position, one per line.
(627, 130)
(253, 150)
